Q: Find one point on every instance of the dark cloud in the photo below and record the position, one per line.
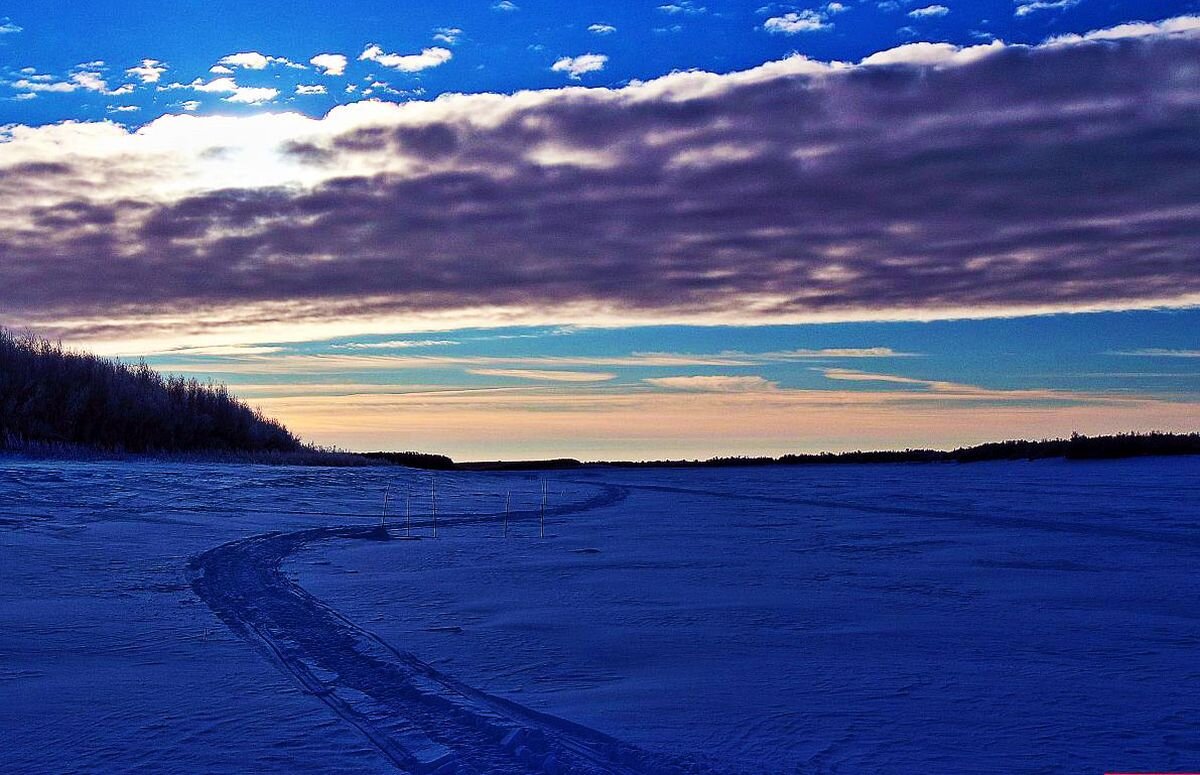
(28, 169)
(1060, 176)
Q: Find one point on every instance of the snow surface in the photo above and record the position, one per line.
(1000, 617)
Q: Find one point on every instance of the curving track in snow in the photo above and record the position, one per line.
(421, 719)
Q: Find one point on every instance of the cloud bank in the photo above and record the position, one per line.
(928, 181)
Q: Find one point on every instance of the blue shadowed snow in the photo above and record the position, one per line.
(1001, 617)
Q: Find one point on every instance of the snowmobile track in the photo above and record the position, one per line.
(419, 718)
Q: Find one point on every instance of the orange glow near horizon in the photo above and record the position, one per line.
(684, 426)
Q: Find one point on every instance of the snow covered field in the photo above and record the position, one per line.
(1006, 617)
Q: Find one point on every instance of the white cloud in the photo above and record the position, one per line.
(835, 352)
(326, 363)
(149, 71)
(329, 64)
(246, 95)
(832, 8)
(190, 105)
(1158, 352)
(545, 376)
(122, 108)
(408, 63)
(252, 95)
(505, 5)
(716, 383)
(8, 28)
(215, 86)
(395, 344)
(577, 66)
(40, 84)
(25, 96)
(940, 388)
(602, 29)
(447, 35)
(1044, 5)
(932, 54)
(928, 12)
(687, 7)
(795, 22)
(250, 60)
(311, 89)
(854, 375)
(90, 81)
(1179, 25)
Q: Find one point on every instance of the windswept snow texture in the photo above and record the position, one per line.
(990, 618)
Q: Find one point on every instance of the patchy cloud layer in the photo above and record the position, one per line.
(930, 181)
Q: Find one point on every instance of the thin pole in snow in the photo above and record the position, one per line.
(542, 516)
(383, 514)
(407, 514)
(433, 498)
(507, 503)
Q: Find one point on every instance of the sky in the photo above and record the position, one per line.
(619, 230)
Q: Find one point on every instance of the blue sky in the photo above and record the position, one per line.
(1127, 351)
(754, 229)
(491, 49)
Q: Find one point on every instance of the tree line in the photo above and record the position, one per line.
(1077, 447)
(50, 395)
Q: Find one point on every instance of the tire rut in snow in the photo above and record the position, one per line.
(421, 719)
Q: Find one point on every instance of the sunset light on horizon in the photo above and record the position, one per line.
(518, 230)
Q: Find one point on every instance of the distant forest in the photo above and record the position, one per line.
(1078, 447)
(51, 396)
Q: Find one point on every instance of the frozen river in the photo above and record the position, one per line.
(1000, 617)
